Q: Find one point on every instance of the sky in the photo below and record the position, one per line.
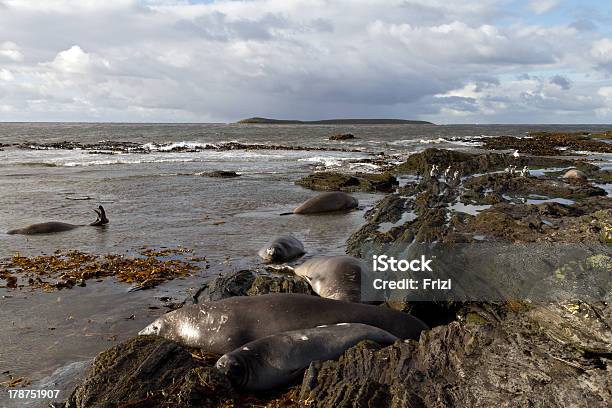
(485, 61)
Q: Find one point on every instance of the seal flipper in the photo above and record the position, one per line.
(101, 220)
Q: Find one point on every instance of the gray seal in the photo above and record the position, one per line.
(53, 226)
(327, 202)
(224, 325)
(277, 360)
(334, 277)
(282, 249)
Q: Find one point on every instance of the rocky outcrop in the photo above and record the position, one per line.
(333, 181)
(149, 371)
(250, 283)
(549, 144)
(507, 356)
(470, 163)
(489, 188)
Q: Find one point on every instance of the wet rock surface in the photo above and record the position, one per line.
(222, 174)
(333, 181)
(342, 136)
(110, 146)
(496, 185)
(551, 144)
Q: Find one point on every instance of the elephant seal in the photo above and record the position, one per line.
(575, 174)
(224, 325)
(327, 202)
(51, 227)
(277, 360)
(334, 277)
(281, 249)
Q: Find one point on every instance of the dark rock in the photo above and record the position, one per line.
(250, 283)
(333, 181)
(505, 184)
(512, 355)
(147, 371)
(549, 144)
(469, 163)
(342, 136)
(222, 174)
(109, 146)
(550, 222)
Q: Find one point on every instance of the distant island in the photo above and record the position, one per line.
(266, 121)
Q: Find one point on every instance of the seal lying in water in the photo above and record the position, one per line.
(281, 249)
(51, 227)
(334, 277)
(224, 325)
(327, 202)
(277, 360)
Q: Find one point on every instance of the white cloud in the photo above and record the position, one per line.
(76, 61)
(6, 75)
(602, 50)
(10, 50)
(542, 6)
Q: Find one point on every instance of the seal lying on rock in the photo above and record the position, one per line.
(334, 277)
(276, 360)
(575, 174)
(224, 325)
(51, 227)
(327, 202)
(281, 249)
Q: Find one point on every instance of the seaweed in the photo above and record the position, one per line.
(67, 269)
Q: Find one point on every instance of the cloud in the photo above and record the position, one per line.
(171, 60)
(561, 81)
(542, 6)
(10, 51)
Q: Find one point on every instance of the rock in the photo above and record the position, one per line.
(469, 163)
(575, 174)
(222, 174)
(549, 144)
(333, 181)
(499, 184)
(515, 355)
(250, 283)
(342, 136)
(148, 371)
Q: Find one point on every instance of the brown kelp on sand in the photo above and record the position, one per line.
(67, 269)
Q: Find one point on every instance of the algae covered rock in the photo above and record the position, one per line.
(250, 283)
(334, 181)
(148, 371)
